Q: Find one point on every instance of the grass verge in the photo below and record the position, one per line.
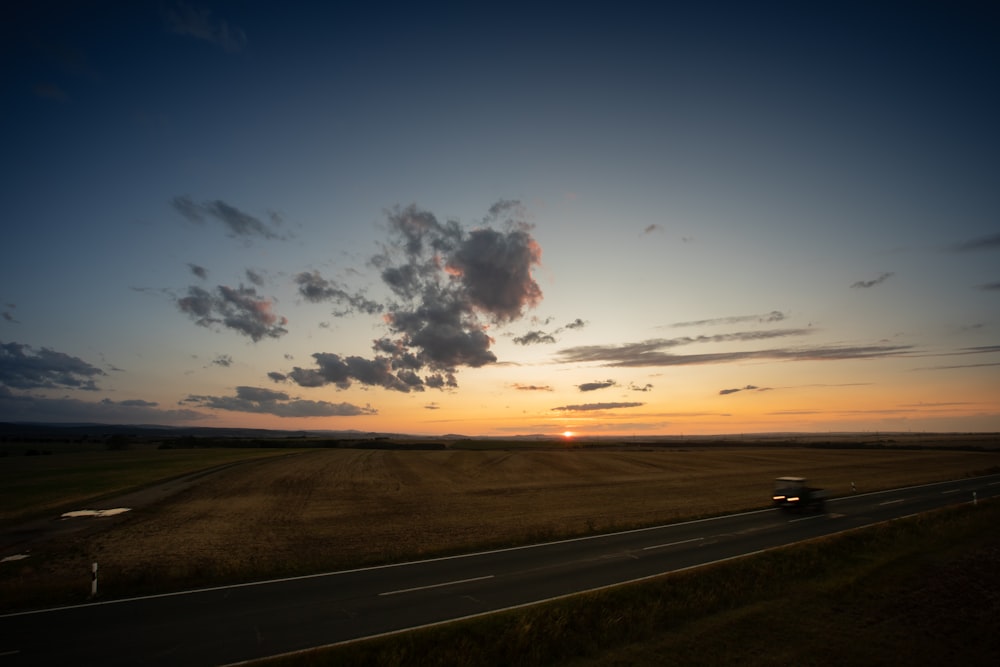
(918, 591)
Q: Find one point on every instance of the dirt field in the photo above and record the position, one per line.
(333, 508)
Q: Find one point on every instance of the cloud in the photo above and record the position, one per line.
(991, 242)
(239, 309)
(531, 387)
(588, 407)
(10, 318)
(278, 403)
(223, 360)
(988, 286)
(653, 352)
(864, 284)
(448, 286)
(15, 407)
(594, 386)
(315, 288)
(645, 387)
(255, 277)
(237, 223)
(536, 337)
(766, 318)
(199, 271)
(749, 387)
(652, 228)
(197, 22)
(23, 368)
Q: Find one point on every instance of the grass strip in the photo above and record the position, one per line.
(918, 591)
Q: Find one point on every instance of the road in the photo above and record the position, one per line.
(237, 623)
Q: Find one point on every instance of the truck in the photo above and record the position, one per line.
(795, 494)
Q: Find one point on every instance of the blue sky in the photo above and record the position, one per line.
(707, 218)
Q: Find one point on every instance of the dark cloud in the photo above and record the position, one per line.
(131, 403)
(594, 386)
(277, 377)
(199, 271)
(315, 288)
(448, 285)
(239, 309)
(864, 284)
(652, 228)
(654, 352)
(532, 387)
(238, 223)
(278, 403)
(15, 407)
(766, 318)
(587, 407)
(10, 318)
(534, 338)
(537, 337)
(255, 277)
(223, 360)
(23, 368)
(991, 242)
(197, 22)
(749, 387)
(645, 387)
(988, 286)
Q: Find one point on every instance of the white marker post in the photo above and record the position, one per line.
(975, 501)
(93, 581)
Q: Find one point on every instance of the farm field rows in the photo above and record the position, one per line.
(324, 509)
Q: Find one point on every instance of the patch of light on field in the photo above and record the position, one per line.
(98, 513)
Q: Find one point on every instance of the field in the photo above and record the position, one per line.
(311, 510)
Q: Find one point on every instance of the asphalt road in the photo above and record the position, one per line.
(237, 623)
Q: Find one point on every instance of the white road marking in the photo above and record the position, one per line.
(950, 491)
(446, 583)
(806, 518)
(672, 544)
(893, 502)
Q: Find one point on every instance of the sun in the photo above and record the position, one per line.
(568, 434)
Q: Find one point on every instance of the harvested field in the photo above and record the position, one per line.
(335, 508)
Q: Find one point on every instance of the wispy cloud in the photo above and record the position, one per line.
(536, 337)
(765, 318)
(22, 367)
(594, 386)
(990, 286)
(448, 285)
(991, 242)
(129, 411)
(278, 403)
(236, 222)
(531, 387)
(590, 407)
(654, 352)
(315, 288)
(223, 360)
(239, 309)
(198, 271)
(197, 22)
(749, 387)
(864, 284)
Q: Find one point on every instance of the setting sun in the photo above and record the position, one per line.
(567, 434)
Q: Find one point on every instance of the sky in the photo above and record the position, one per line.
(431, 218)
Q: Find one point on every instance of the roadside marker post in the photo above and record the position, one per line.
(93, 581)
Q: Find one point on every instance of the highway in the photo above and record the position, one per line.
(244, 622)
